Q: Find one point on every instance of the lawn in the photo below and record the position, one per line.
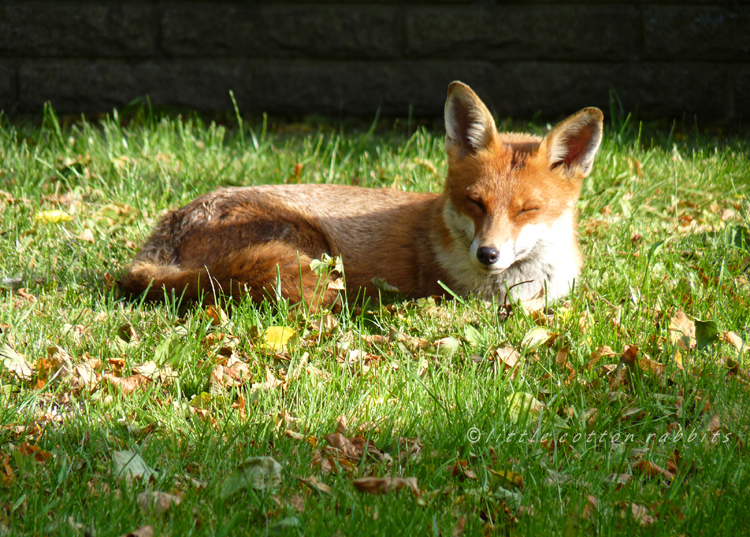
(623, 409)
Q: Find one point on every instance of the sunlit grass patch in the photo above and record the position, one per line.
(623, 407)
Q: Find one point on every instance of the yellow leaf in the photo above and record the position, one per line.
(535, 337)
(52, 217)
(278, 338)
(507, 479)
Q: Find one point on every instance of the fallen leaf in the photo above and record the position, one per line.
(682, 331)
(384, 485)
(535, 304)
(156, 502)
(86, 236)
(279, 338)
(735, 340)
(706, 333)
(506, 478)
(535, 338)
(144, 531)
(602, 351)
(592, 504)
(640, 515)
(461, 469)
(259, 473)
(127, 384)
(653, 470)
(619, 480)
(524, 405)
(508, 356)
(271, 382)
(131, 466)
(36, 452)
(217, 316)
(458, 529)
(327, 324)
(15, 362)
(561, 358)
(152, 371)
(315, 484)
(447, 346)
(655, 368)
(52, 217)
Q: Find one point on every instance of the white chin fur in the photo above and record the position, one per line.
(544, 255)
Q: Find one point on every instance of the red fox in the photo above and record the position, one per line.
(504, 226)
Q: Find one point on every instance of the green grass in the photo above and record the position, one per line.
(664, 226)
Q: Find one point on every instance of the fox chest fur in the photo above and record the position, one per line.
(504, 224)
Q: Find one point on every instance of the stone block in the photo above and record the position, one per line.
(263, 31)
(8, 86)
(650, 90)
(99, 86)
(69, 29)
(741, 95)
(362, 88)
(522, 32)
(697, 33)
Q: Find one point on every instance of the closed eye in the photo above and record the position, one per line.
(526, 210)
(478, 203)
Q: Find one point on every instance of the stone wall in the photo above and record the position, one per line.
(525, 58)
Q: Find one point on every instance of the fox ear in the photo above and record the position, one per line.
(469, 125)
(572, 144)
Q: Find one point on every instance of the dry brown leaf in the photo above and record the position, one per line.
(619, 480)
(592, 504)
(315, 484)
(383, 485)
(458, 529)
(342, 424)
(157, 503)
(38, 453)
(602, 351)
(301, 437)
(653, 470)
(327, 324)
(217, 316)
(535, 303)
(86, 236)
(561, 358)
(682, 331)
(461, 469)
(145, 531)
(6, 475)
(640, 515)
(508, 356)
(15, 362)
(735, 340)
(128, 384)
(655, 368)
(24, 293)
(271, 382)
(375, 339)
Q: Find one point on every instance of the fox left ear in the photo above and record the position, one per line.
(469, 125)
(573, 143)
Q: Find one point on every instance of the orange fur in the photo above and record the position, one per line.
(508, 200)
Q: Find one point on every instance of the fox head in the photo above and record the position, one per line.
(508, 195)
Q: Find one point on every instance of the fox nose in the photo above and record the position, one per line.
(487, 255)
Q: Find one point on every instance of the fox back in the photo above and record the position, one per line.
(503, 226)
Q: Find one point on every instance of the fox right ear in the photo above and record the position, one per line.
(469, 125)
(572, 144)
